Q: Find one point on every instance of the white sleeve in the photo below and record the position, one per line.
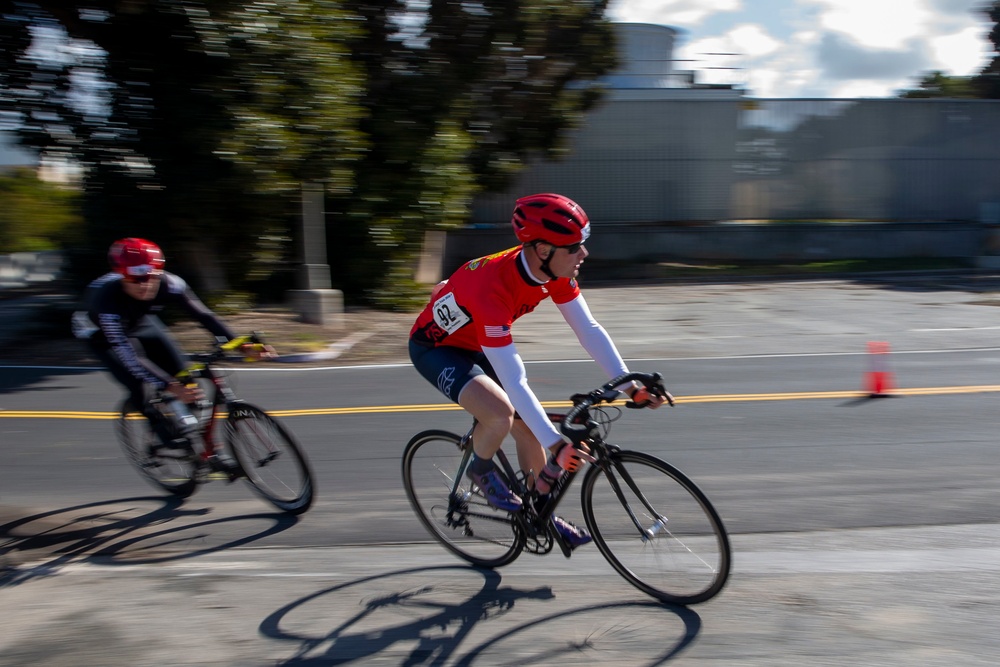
(510, 370)
(593, 337)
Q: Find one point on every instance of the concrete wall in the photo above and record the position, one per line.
(665, 156)
(775, 242)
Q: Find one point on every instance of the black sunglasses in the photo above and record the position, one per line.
(572, 249)
(143, 279)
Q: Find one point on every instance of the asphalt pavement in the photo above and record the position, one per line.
(133, 583)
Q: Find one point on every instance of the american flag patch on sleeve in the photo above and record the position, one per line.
(501, 331)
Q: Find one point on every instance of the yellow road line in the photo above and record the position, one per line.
(443, 407)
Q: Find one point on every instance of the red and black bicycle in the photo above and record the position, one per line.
(269, 458)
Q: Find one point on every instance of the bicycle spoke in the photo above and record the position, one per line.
(166, 469)
(680, 552)
(272, 461)
(456, 514)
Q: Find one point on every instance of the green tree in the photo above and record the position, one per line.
(203, 118)
(460, 95)
(939, 84)
(35, 215)
(199, 122)
(987, 82)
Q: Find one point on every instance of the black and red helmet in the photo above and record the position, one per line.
(133, 257)
(550, 218)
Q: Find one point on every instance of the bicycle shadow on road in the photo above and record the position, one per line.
(428, 615)
(617, 629)
(16, 379)
(42, 544)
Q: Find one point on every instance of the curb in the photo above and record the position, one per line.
(332, 351)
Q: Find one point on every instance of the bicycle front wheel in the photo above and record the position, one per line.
(273, 462)
(453, 510)
(169, 469)
(656, 528)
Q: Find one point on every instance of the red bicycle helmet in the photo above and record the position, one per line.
(135, 257)
(550, 218)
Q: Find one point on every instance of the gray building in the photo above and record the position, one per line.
(662, 148)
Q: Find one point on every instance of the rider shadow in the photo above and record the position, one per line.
(16, 380)
(636, 627)
(424, 619)
(86, 533)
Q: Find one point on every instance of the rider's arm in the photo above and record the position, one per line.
(182, 294)
(597, 342)
(593, 336)
(514, 379)
(140, 367)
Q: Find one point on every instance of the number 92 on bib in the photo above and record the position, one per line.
(448, 314)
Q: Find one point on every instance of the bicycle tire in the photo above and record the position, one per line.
(463, 522)
(684, 557)
(275, 466)
(173, 472)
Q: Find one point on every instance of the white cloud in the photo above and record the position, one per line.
(820, 48)
(676, 13)
(867, 88)
(879, 24)
(752, 40)
(963, 53)
(730, 58)
(790, 71)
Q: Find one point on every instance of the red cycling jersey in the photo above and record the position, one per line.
(477, 305)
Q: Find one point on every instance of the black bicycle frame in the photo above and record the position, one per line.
(606, 465)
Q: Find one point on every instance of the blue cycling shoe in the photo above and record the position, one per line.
(496, 491)
(570, 532)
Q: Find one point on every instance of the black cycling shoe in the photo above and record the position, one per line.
(223, 463)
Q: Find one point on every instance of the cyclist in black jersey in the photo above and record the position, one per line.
(121, 326)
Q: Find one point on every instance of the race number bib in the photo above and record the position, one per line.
(448, 315)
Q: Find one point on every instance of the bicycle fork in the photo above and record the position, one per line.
(608, 467)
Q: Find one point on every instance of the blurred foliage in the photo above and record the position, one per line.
(35, 215)
(938, 84)
(229, 303)
(987, 82)
(196, 122)
(460, 96)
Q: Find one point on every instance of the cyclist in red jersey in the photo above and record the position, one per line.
(461, 342)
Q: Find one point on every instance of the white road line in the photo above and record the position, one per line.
(790, 355)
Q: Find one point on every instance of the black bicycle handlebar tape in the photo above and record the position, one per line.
(604, 394)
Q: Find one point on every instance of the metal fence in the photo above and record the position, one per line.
(669, 160)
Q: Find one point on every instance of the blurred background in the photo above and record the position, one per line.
(209, 127)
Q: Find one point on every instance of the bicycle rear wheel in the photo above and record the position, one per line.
(676, 548)
(457, 515)
(172, 470)
(274, 465)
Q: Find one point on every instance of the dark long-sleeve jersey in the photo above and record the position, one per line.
(115, 316)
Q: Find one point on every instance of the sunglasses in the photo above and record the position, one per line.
(143, 279)
(572, 248)
(141, 273)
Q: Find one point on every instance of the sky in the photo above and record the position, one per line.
(820, 48)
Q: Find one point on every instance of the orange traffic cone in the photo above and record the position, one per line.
(879, 378)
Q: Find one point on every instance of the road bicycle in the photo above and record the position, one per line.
(269, 458)
(648, 519)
